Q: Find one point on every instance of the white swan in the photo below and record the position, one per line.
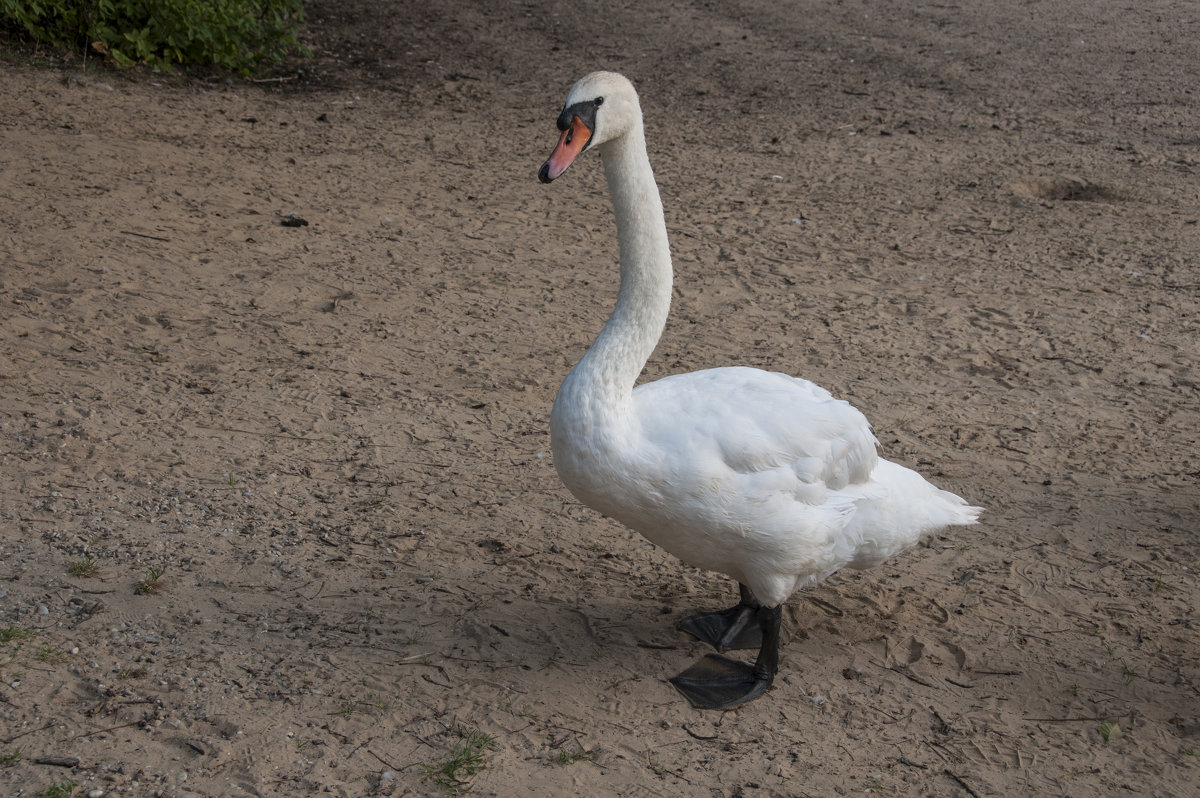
(758, 475)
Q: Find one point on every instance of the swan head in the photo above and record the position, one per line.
(600, 107)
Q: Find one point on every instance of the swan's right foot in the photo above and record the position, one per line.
(725, 629)
(717, 682)
(733, 628)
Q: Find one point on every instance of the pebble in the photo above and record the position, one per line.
(96, 793)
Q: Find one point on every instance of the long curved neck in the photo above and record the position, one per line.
(603, 379)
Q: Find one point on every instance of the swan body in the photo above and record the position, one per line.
(759, 475)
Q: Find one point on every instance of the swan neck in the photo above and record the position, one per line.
(644, 298)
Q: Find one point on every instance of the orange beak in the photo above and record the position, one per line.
(570, 144)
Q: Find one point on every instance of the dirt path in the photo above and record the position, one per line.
(979, 225)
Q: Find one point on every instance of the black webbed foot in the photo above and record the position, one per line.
(717, 682)
(733, 628)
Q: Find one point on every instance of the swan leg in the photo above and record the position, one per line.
(717, 682)
(727, 629)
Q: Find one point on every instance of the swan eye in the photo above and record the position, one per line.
(570, 135)
(599, 101)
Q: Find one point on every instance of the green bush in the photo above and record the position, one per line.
(236, 35)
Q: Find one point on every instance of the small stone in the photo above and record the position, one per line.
(96, 793)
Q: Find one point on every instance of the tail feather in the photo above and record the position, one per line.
(907, 509)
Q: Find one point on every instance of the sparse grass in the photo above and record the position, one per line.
(51, 655)
(523, 712)
(466, 759)
(1108, 647)
(1130, 674)
(1074, 689)
(349, 708)
(84, 567)
(425, 582)
(1109, 730)
(14, 633)
(566, 757)
(8, 760)
(151, 584)
(655, 765)
(232, 35)
(60, 789)
(135, 672)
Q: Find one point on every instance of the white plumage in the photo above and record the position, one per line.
(755, 474)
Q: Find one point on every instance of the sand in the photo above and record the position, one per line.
(278, 515)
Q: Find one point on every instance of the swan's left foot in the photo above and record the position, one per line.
(725, 629)
(717, 682)
(735, 627)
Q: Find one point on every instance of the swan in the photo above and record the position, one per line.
(758, 475)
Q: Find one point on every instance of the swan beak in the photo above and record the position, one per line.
(570, 144)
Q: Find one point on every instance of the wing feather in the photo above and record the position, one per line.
(788, 431)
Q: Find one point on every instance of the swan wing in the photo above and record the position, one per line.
(788, 431)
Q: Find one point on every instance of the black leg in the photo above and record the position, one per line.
(746, 596)
(717, 682)
(726, 629)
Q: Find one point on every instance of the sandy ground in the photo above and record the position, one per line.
(329, 441)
